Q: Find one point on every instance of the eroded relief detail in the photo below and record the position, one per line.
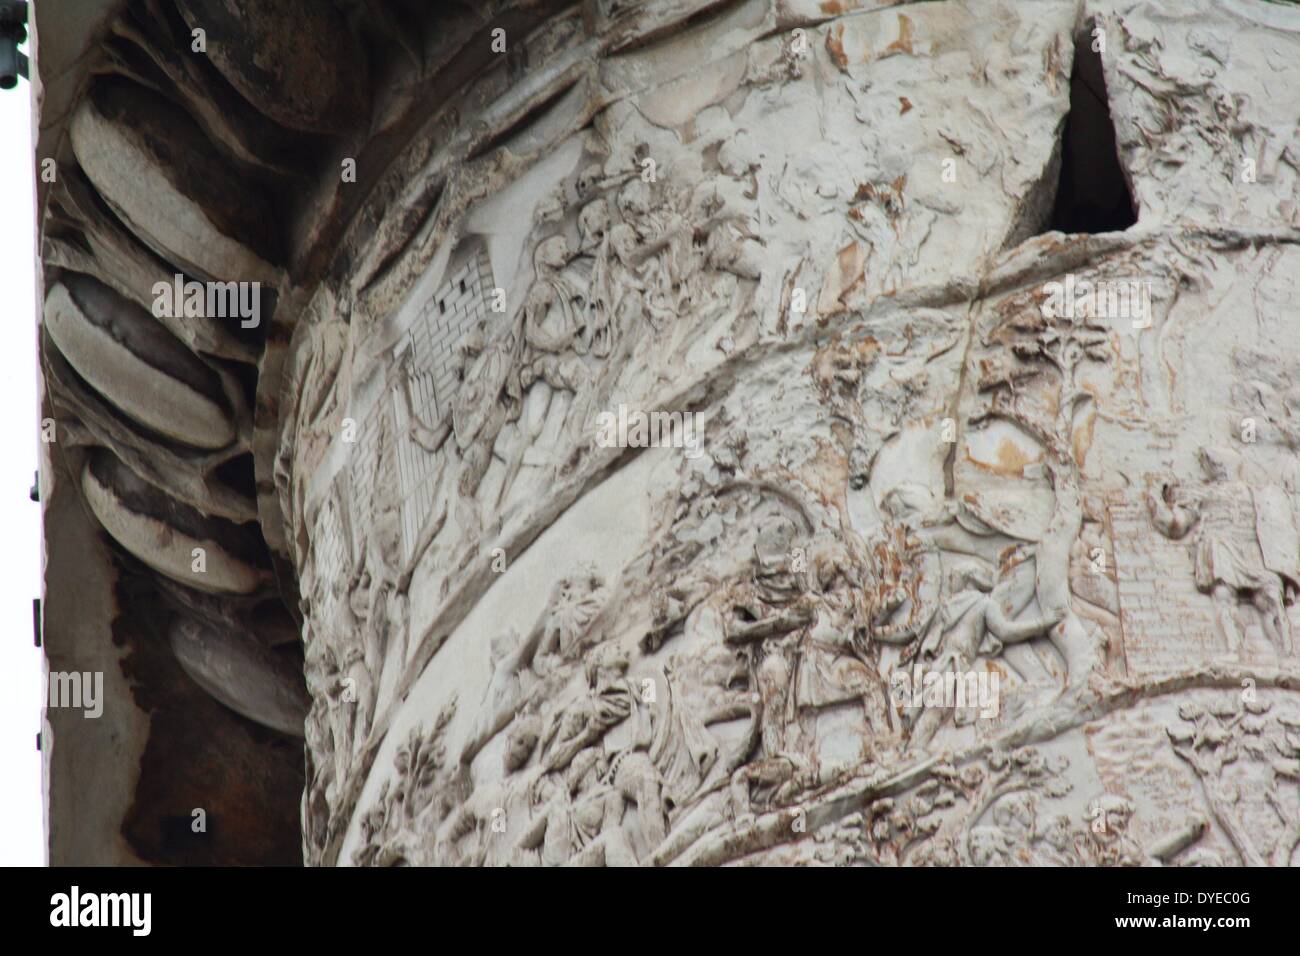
(961, 551)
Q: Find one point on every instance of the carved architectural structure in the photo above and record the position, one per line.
(987, 315)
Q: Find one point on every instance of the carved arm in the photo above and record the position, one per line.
(1012, 632)
(788, 620)
(1171, 518)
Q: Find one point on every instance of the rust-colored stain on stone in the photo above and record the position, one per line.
(905, 36)
(835, 46)
(850, 273)
(1052, 65)
(1010, 461)
(1081, 442)
(1011, 458)
(850, 258)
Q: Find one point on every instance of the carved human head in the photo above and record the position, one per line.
(589, 179)
(593, 224)
(969, 574)
(520, 742)
(1165, 484)
(634, 200)
(607, 664)
(774, 550)
(502, 645)
(585, 579)
(552, 253)
(551, 207)
(830, 561)
(576, 601)
(588, 764)
(773, 674)
(907, 502)
(623, 241)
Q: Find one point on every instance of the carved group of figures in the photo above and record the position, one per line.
(763, 686)
(789, 662)
(604, 761)
(1004, 810)
(1008, 809)
(626, 267)
(630, 262)
(611, 751)
(610, 758)
(762, 681)
(584, 744)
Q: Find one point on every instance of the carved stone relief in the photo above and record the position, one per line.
(695, 432)
(944, 447)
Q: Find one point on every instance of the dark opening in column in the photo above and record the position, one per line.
(1092, 194)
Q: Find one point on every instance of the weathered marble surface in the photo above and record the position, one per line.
(564, 653)
(830, 230)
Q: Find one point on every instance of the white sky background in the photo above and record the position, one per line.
(22, 837)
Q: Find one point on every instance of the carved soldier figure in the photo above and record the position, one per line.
(775, 611)
(512, 678)
(562, 631)
(488, 397)
(665, 250)
(832, 671)
(495, 812)
(977, 619)
(570, 622)
(375, 597)
(612, 699)
(617, 284)
(781, 765)
(324, 746)
(553, 313)
(1016, 814)
(1059, 843)
(597, 334)
(579, 817)
(556, 336)
(1094, 593)
(1229, 560)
